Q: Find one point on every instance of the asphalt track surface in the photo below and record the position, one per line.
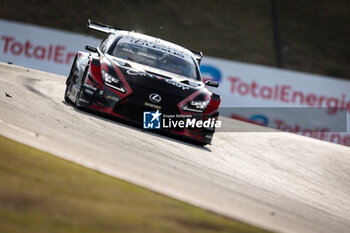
(278, 181)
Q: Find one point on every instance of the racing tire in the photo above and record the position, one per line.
(69, 81)
(81, 88)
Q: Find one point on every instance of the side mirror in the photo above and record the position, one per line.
(211, 83)
(91, 48)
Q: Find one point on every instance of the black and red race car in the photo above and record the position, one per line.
(130, 74)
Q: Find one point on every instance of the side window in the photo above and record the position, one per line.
(103, 45)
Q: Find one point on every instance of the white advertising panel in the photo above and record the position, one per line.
(308, 104)
(39, 47)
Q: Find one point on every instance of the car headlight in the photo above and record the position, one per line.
(112, 81)
(196, 106)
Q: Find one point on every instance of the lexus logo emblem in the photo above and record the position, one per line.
(155, 98)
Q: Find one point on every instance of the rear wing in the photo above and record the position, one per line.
(100, 27)
(198, 56)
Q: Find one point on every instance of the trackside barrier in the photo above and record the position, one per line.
(257, 89)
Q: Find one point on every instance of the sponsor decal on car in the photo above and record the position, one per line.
(176, 84)
(139, 73)
(88, 86)
(101, 92)
(114, 98)
(152, 105)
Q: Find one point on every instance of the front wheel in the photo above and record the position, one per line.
(69, 81)
(80, 92)
(66, 98)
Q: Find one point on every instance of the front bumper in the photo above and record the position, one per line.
(106, 101)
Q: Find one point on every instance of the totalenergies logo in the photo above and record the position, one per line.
(56, 53)
(210, 73)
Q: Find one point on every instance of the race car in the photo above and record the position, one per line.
(131, 74)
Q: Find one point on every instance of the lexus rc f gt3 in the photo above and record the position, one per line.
(130, 73)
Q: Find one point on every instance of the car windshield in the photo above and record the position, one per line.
(155, 57)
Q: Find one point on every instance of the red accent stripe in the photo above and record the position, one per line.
(95, 72)
(212, 106)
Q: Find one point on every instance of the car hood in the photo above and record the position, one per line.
(153, 79)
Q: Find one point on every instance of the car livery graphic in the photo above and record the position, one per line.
(131, 73)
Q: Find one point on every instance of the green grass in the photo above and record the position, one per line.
(314, 34)
(42, 193)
